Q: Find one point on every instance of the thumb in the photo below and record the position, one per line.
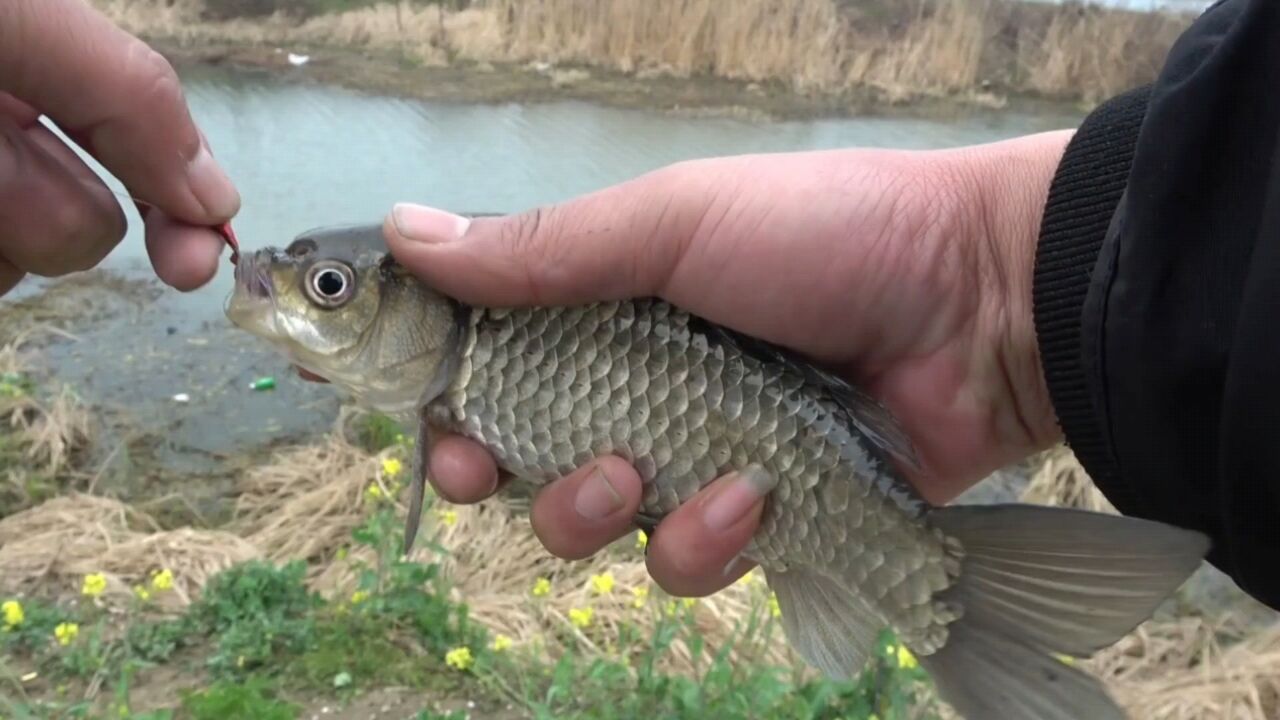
(620, 242)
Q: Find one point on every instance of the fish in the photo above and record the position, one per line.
(989, 598)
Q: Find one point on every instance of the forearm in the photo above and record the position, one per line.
(1156, 280)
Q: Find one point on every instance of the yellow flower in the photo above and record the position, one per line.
(905, 658)
(66, 632)
(391, 467)
(142, 593)
(359, 596)
(670, 608)
(162, 580)
(448, 517)
(641, 594)
(459, 658)
(689, 602)
(641, 539)
(774, 609)
(94, 584)
(541, 587)
(581, 616)
(602, 584)
(500, 643)
(748, 578)
(13, 614)
(373, 492)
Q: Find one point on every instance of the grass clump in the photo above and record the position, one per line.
(44, 433)
(254, 612)
(260, 642)
(251, 699)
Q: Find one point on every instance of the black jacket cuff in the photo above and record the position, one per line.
(1082, 199)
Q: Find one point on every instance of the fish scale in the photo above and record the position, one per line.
(673, 427)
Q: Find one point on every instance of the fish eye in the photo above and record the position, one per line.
(330, 284)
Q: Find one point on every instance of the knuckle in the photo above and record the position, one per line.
(158, 87)
(530, 239)
(523, 236)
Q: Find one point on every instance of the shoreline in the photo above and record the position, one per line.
(386, 72)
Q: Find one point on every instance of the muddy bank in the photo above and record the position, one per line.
(167, 388)
(464, 82)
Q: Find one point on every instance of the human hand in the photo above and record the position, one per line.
(63, 59)
(909, 273)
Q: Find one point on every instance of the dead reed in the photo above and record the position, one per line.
(900, 50)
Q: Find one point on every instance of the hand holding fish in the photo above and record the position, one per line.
(122, 103)
(801, 357)
(907, 272)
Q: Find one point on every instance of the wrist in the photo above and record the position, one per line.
(1009, 186)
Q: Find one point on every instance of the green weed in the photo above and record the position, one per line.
(255, 612)
(252, 698)
(606, 688)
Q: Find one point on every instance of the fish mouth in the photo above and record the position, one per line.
(251, 277)
(252, 301)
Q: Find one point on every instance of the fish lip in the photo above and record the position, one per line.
(252, 276)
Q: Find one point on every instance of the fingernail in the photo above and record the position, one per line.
(211, 185)
(428, 225)
(741, 494)
(597, 498)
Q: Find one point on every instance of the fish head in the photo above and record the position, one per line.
(339, 307)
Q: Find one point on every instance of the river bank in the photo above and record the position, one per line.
(797, 59)
(387, 72)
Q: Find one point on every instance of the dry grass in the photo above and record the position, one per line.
(1060, 481)
(798, 41)
(1097, 51)
(42, 436)
(900, 49)
(1195, 669)
(305, 504)
(56, 543)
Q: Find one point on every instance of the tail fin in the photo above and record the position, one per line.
(1041, 580)
(1035, 581)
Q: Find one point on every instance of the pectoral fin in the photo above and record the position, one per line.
(418, 483)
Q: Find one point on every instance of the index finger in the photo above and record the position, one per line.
(120, 97)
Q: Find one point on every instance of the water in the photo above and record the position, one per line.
(305, 155)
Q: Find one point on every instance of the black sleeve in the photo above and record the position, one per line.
(1157, 292)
